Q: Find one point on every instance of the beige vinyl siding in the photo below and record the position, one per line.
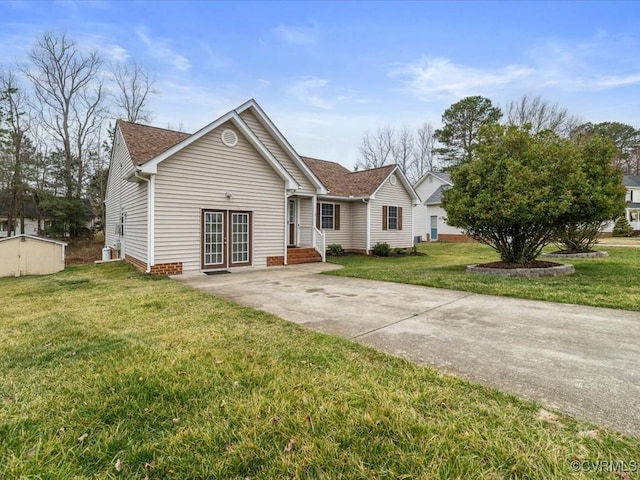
(359, 226)
(420, 221)
(128, 197)
(342, 236)
(267, 139)
(305, 205)
(198, 177)
(393, 195)
(443, 226)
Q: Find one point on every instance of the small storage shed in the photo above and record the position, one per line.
(29, 255)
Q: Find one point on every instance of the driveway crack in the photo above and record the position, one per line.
(373, 330)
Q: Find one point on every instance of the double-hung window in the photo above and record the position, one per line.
(392, 219)
(327, 216)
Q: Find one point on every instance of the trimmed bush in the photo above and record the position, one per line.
(622, 228)
(381, 249)
(335, 249)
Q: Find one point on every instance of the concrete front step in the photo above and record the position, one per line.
(297, 256)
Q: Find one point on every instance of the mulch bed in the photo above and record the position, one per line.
(509, 266)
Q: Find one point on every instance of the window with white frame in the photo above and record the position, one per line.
(327, 216)
(392, 218)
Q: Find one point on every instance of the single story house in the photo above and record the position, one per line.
(429, 217)
(236, 194)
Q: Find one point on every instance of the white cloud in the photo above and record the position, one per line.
(306, 91)
(160, 48)
(298, 35)
(439, 77)
(574, 66)
(319, 93)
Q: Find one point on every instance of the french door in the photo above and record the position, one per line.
(226, 239)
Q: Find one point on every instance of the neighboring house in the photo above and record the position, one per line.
(236, 194)
(30, 220)
(429, 217)
(632, 210)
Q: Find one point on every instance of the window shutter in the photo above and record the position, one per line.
(318, 215)
(336, 217)
(399, 218)
(385, 217)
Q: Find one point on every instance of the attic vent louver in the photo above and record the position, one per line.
(229, 138)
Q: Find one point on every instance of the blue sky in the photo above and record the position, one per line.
(327, 72)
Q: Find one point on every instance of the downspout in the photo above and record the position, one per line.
(150, 217)
(368, 245)
(314, 221)
(286, 226)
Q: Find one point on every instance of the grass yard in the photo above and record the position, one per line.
(608, 282)
(108, 373)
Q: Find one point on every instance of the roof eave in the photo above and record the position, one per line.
(284, 144)
(151, 167)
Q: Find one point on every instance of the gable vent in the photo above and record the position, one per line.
(229, 138)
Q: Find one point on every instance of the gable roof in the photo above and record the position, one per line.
(266, 122)
(436, 197)
(341, 182)
(145, 142)
(445, 177)
(166, 149)
(148, 146)
(631, 181)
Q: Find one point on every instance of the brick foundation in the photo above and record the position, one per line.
(139, 264)
(159, 269)
(454, 238)
(167, 269)
(275, 261)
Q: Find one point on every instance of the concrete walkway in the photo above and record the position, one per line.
(579, 360)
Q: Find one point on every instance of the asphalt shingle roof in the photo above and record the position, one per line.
(342, 182)
(631, 180)
(436, 197)
(145, 142)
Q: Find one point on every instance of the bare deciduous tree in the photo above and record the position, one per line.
(17, 121)
(134, 87)
(376, 150)
(413, 151)
(425, 150)
(70, 95)
(403, 149)
(540, 115)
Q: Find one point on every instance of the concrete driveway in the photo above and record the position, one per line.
(579, 360)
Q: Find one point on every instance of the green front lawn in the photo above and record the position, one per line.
(107, 373)
(608, 282)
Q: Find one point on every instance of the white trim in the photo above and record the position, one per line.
(368, 246)
(314, 209)
(33, 237)
(282, 141)
(342, 199)
(396, 171)
(286, 226)
(151, 167)
(432, 174)
(151, 222)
